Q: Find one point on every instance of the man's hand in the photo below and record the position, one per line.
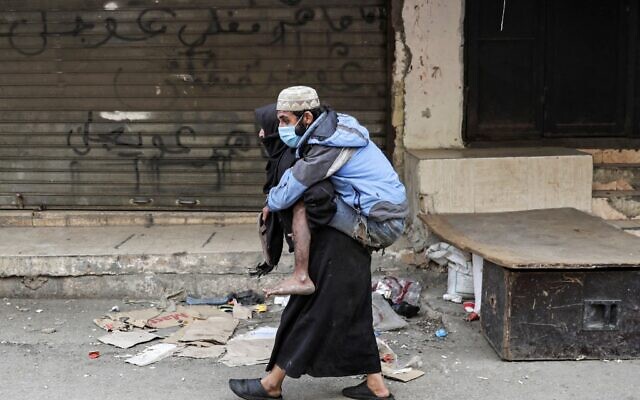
(265, 213)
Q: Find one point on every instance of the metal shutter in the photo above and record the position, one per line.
(148, 104)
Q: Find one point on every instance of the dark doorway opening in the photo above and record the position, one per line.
(552, 72)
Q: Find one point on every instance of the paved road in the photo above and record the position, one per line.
(35, 365)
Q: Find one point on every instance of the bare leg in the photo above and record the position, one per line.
(299, 283)
(375, 383)
(272, 383)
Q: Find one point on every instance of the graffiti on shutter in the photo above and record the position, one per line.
(136, 105)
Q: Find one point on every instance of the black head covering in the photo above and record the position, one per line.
(280, 155)
(267, 119)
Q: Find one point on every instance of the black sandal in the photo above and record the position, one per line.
(362, 392)
(250, 389)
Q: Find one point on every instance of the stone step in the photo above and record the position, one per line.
(136, 261)
(632, 227)
(614, 156)
(616, 204)
(67, 218)
(610, 177)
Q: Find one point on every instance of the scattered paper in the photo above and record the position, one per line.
(281, 300)
(153, 354)
(125, 340)
(264, 332)
(201, 352)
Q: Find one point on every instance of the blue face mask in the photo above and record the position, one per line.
(288, 135)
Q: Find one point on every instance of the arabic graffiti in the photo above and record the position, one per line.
(195, 65)
(131, 146)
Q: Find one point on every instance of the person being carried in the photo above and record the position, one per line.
(370, 200)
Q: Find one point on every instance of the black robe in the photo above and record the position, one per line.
(330, 333)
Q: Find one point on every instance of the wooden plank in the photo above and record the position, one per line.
(540, 239)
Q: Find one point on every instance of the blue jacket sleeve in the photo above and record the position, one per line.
(320, 162)
(285, 195)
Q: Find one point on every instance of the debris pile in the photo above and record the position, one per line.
(201, 328)
(227, 329)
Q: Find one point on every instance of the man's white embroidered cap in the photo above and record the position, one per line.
(298, 98)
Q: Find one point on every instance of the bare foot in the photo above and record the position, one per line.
(293, 286)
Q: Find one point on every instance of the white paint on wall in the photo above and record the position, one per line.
(125, 115)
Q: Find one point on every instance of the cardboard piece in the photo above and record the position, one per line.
(175, 337)
(181, 316)
(251, 348)
(125, 340)
(214, 329)
(152, 354)
(248, 352)
(201, 352)
(206, 332)
(110, 325)
(402, 375)
(206, 311)
(137, 318)
(201, 344)
(390, 367)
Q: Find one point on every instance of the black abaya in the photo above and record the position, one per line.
(330, 333)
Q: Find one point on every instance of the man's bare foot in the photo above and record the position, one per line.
(292, 286)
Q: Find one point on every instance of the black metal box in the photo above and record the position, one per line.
(557, 283)
(561, 314)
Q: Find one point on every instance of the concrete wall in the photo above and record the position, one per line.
(427, 92)
(428, 74)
